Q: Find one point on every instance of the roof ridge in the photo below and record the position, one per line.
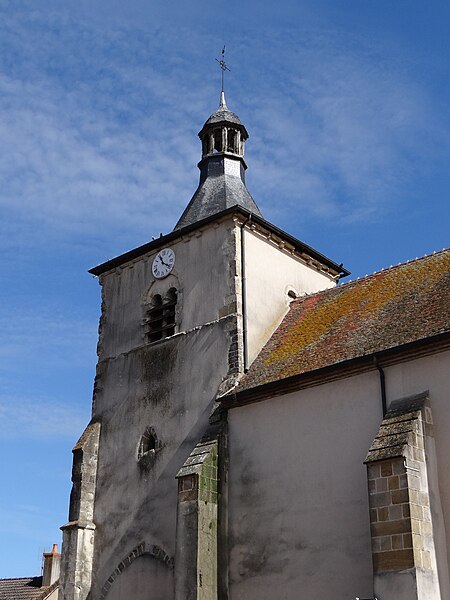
(353, 282)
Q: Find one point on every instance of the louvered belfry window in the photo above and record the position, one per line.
(160, 319)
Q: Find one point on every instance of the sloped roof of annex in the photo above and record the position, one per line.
(396, 308)
(25, 588)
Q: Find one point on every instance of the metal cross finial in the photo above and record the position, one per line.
(223, 66)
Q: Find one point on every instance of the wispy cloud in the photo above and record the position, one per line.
(100, 136)
(87, 142)
(345, 132)
(39, 417)
(42, 334)
(47, 362)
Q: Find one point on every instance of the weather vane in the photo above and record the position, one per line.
(223, 67)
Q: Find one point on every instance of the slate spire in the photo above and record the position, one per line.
(222, 168)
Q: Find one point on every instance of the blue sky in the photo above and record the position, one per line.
(347, 106)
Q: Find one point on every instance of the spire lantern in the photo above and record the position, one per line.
(222, 167)
(223, 133)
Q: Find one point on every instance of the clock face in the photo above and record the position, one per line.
(163, 263)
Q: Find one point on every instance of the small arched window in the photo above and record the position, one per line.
(160, 319)
(148, 445)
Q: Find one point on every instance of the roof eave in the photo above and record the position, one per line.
(223, 122)
(164, 239)
(346, 368)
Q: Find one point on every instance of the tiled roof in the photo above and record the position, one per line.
(21, 588)
(402, 304)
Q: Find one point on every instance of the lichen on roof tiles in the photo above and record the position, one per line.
(390, 308)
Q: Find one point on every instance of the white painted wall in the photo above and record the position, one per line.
(271, 272)
(298, 500)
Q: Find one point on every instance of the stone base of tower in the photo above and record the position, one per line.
(78, 535)
(76, 571)
(196, 555)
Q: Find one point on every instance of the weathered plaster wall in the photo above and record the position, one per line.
(298, 500)
(145, 577)
(169, 385)
(271, 272)
(203, 273)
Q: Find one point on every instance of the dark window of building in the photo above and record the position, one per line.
(155, 319)
(231, 141)
(148, 443)
(217, 140)
(148, 446)
(169, 311)
(75, 494)
(160, 319)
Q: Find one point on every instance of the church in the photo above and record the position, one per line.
(259, 429)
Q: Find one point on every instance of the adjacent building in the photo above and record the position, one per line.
(44, 587)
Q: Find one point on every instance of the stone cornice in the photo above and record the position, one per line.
(300, 247)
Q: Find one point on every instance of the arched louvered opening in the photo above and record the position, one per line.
(155, 319)
(161, 317)
(169, 311)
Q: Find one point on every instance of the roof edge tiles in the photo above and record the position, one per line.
(178, 233)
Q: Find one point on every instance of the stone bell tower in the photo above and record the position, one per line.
(182, 318)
